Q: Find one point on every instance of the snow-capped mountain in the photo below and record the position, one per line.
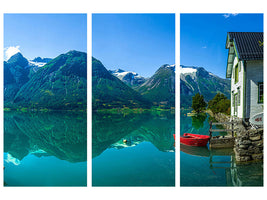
(195, 80)
(37, 63)
(130, 78)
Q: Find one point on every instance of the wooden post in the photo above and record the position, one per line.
(232, 129)
(210, 129)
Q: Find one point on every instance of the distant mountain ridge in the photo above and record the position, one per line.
(61, 83)
(43, 60)
(130, 78)
(111, 88)
(195, 80)
(108, 91)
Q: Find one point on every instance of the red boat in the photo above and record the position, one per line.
(194, 139)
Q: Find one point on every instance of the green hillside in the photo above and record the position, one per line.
(160, 88)
(15, 76)
(60, 85)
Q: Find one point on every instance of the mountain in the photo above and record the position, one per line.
(108, 91)
(197, 80)
(36, 64)
(41, 60)
(60, 84)
(16, 74)
(130, 78)
(160, 88)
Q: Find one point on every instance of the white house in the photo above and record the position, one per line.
(245, 68)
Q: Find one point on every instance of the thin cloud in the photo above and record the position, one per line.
(204, 47)
(10, 51)
(230, 15)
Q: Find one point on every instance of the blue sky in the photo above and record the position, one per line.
(134, 42)
(45, 35)
(203, 38)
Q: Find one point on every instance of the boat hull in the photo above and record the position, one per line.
(194, 139)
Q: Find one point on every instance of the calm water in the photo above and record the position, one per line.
(146, 159)
(45, 149)
(200, 166)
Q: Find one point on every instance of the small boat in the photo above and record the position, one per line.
(194, 139)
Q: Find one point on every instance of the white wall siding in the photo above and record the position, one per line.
(234, 88)
(253, 77)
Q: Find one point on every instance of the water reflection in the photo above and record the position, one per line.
(195, 151)
(198, 120)
(201, 166)
(121, 131)
(58, 134)
(133, 149)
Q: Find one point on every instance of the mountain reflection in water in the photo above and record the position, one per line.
(109, 131)
(58, 134)
(133, 149)
(45, 149)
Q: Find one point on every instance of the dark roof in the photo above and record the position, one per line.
(249, 45)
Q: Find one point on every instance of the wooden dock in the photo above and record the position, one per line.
(222, 141)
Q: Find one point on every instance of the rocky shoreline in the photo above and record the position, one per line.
(248, 144)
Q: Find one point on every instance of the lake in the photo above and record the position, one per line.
(45, 149)
(201, 166)
(133, 149)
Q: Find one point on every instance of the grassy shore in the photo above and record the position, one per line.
(134, 110)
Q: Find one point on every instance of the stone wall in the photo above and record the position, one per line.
(248, 140)
(249, 145)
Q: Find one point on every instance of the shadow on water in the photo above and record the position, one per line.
(58, 134)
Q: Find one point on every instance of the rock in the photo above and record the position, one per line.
(257, 156)
(258, 143)
(258, 137)
(254, 150)
(253, 133)
(242, 146)
(242, 158)
(244, 142)
(243, 152)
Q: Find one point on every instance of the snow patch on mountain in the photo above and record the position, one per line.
(38, 64)
(129, 77)
(187, 70)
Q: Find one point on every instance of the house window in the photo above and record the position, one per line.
(236, 73)
(238, 96)
(233, 99)
(260, 92)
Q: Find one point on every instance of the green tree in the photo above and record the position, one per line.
(219, 103)
(198, 103)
